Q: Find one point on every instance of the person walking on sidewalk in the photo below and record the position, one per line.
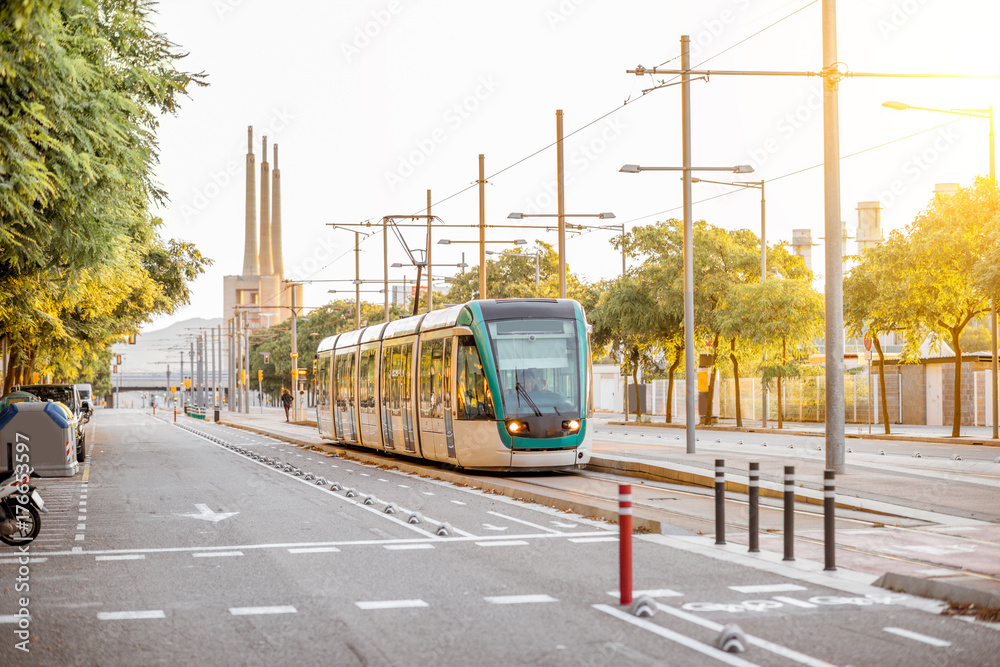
(286, 401)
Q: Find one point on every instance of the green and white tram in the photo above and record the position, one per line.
(490, 385)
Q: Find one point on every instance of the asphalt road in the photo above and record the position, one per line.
(172, 548)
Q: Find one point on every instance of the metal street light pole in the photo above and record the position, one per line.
(690, 379)
(482, 226)
(763, 265)
(977, 113)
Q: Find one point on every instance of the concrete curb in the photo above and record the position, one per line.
(607, 511)
(939, 590)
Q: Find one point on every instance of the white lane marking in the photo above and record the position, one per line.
(519, 599)
(936, 572)
(777, 649)
(315, 550)
(254, 611)
(83, 503)
(17, 561)
(490, 526)
(683, 640)
(916, 636)
(458, 502)
(402, 486)
(582, 540)
(206, 513)
(794, 602)
(11, 618)
(427, 493)
(83, 511)
(767, 588)
(129, 615)
(81, 526)
(502, 543)
(79, 538)
(122, 557)
(391, 604)
(81, 518)
(651, 592)
(526, 523)
(407, 547)
(382, 480)
(217, 554)
(289, 545)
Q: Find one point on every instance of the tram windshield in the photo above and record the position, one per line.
(538, 366)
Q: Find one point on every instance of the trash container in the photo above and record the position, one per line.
(216, 414)
(47, 428)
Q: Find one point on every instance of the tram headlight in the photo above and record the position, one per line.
(571, 425)
(515, 427)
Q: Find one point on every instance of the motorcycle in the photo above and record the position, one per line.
(20, 509)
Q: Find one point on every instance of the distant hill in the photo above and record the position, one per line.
(153, 350)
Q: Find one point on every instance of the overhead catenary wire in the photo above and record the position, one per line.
(570, 134)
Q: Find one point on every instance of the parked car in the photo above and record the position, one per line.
(68, 395)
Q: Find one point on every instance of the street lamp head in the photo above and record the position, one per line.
(516, 216)
(742, 169)
(520, 242)
(606, 216)
(444, 242)
(396, 265)
(898, 106)
(630, 169)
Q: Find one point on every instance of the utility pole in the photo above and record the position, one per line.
(295, 360)
(430, 265)
(482, 226)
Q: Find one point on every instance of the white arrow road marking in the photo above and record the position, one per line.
(490, 526)
(208, 515)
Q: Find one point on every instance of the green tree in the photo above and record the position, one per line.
(947, 276)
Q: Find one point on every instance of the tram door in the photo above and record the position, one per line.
(367, 406)
(435, 398)
(397, 368)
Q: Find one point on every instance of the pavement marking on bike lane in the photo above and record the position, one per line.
(916, 636)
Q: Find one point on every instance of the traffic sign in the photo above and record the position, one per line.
(868, 341)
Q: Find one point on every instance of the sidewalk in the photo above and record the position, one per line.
(939, 518)
(981, 435)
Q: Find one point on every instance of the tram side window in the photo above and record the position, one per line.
(474, 398)
(350, 376)
(323, 381)
(367, 384)
(430, 378)
(386, 376)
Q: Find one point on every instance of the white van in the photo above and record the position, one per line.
(86, 394)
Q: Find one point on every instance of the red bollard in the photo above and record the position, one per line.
(625, 540)
(175, 414)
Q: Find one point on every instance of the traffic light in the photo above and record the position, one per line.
(114, 369)
(118, 359)
(260, 376)
(315, 361)
(131, 339)
(267, 358)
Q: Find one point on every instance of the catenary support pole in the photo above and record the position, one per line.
(690, 376)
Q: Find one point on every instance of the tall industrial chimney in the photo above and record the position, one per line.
(869, 224)
(276, 257)
(250, 246)
(265, 213)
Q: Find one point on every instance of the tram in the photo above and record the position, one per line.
(497, 384)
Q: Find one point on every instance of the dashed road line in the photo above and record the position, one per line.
(916, 636)
(583, 540)
(314, 550)
(122, 557)
(406, 547)
(129, 615)
(217, 554)
(519, 599)
(767, 588)
(391, 604)
(255, 611)
(502, 543)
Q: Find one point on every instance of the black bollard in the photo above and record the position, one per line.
(829, 504)
(754, 506)
(720, 501)
(789, 513)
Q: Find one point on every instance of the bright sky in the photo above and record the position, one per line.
(374, 102)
